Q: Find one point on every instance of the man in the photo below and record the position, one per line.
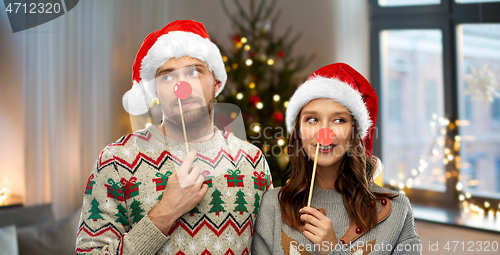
(144, 196)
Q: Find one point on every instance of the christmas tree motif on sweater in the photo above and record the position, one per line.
(95, 212)
(216, 202)
(234, 179)
(259, 180)
(136, 211)
(122, 215)
(194, 210)
(114, 190)
(130, 187)
(89, 186)
(241, 202)
(256, 204)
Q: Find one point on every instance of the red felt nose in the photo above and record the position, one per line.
(325, 136)
(182, 90)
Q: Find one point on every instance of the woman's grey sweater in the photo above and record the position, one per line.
(394, 234)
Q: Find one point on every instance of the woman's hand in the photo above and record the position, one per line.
(318, 229)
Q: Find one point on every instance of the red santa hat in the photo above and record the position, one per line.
(177, 39)
(343, 84)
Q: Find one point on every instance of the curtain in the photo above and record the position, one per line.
(76, 69)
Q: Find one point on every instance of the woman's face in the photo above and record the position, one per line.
(325, 113)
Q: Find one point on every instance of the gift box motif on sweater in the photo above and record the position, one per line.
(259, 180)
(89, 186)
(130, 187)
(234, 179)
(114, 190)
(208, 178)
(161, 181)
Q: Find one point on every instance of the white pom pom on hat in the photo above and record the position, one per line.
(177, 39)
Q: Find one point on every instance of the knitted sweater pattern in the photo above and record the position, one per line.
(394, 234)
(128, 180)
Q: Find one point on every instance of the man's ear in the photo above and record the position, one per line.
(217, 85)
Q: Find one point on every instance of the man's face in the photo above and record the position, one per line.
(202, 81)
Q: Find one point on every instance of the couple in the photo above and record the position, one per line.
(149, 195)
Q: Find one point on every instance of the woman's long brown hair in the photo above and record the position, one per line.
(355, 175)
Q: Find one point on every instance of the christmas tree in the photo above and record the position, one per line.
(95, 213)
(122, 215)
(262, 77)
(216, 202)
(256, 204)
(136, 211)
(193, 211)
(241, 202)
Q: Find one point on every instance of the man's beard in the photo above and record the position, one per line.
(198, 121)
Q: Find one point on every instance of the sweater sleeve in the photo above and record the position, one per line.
(408, 241)
(263, 235)
(104, 225)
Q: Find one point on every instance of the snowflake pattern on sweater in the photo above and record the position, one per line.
(129, 178)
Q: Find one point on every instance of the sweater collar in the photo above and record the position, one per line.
(213, 143)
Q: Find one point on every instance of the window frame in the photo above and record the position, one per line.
(445, 17)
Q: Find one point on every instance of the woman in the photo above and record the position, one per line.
(354, 215)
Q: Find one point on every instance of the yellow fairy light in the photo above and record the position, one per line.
(450, 157)
(234, 65)
(270, 62)
(445, 161)
(243, 40)
(260, 105)
(228, 68)
(239, 96)
(458, 138)
(392, 182)
(247, 47)
(414, 172)
(401, 185)
(239, 44)
(446, 151)
(224, 58)
(452, 126)
(401, 176)
(248, 62)
(233, 115)
(409, 183)
(148, 124)
(434, 116)
(461, 197)
(285, 104)
(468, 195)
(281, 142)
(459, 186)
(487, 204)
(251, 85)
(435, 152)
(256, 128)
(443, 131)
(448, 175)
(276, 97)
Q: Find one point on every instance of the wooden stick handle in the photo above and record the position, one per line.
(183, 126)
(313, 175)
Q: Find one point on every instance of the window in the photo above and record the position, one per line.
(406, 2)
(412, 82)
(440, 62)
(495, 110)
